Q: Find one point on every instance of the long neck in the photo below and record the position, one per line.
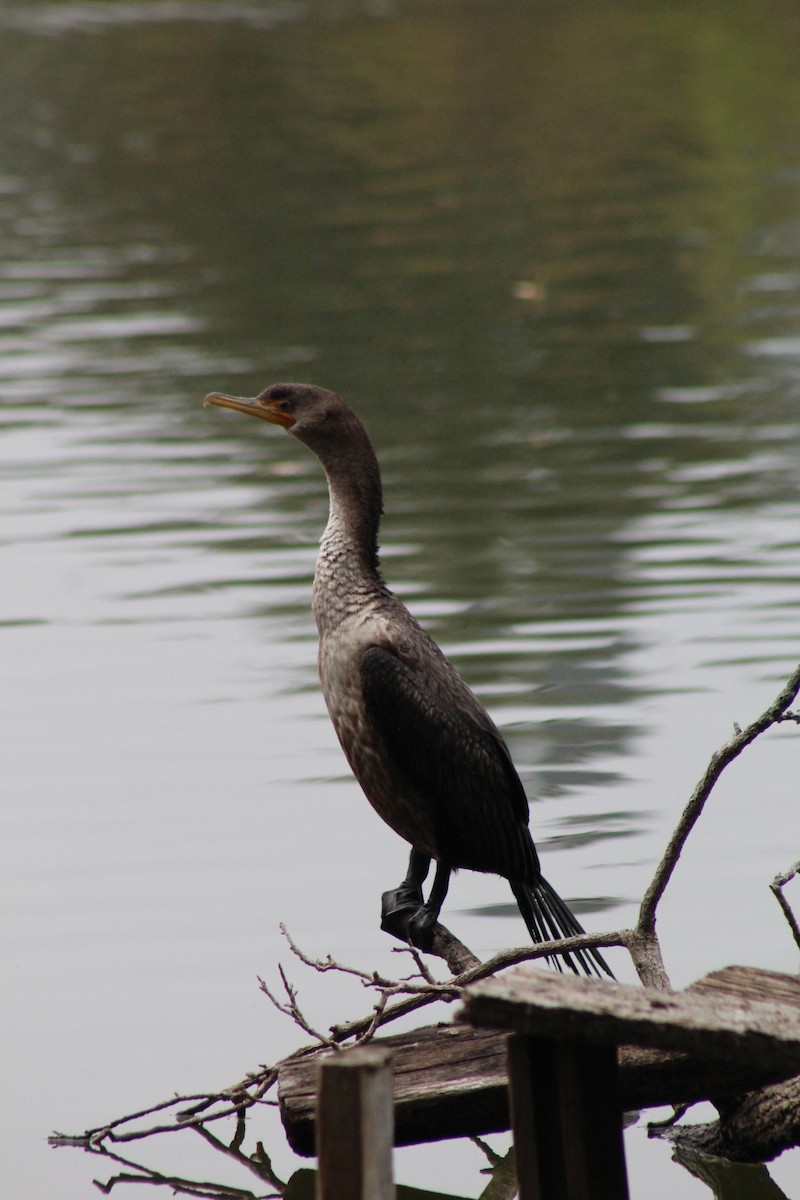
(348, 572)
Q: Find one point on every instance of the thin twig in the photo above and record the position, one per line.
(423, 970)
(92, 1139)
(506, 958)
(777, 886)
(377, 1019)
(330, 964)
(292, 1009)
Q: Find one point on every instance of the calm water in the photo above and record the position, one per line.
(552, 254)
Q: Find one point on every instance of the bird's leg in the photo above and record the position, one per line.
(399, 904)
(422, 922)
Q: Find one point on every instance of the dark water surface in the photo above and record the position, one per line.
(552, 254)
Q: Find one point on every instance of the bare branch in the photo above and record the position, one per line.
(454, 953)
(719, 761)
(292, 1008)
(422, 967)
(93, 1139)
(777, 886)
(645, 952)
(377, 1019)
(328, 963)
(506, 958)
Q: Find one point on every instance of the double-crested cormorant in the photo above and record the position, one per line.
(426, 753)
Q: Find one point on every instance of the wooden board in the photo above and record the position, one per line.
(710, 1022)
(451, 1080)
(355, 1125)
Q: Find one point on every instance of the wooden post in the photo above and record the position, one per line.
(567, 1120)
(355, 1125)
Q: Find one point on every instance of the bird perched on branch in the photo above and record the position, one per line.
(426, 753)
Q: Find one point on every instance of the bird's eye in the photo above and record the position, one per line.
(282, 401)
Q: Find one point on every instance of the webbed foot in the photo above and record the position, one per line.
(398, 906)
(420, 927)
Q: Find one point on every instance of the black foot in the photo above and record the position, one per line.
(420, 928)
(398, 906)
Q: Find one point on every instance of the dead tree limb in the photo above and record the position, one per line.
(719, 761)
(777, 886)
(644, 936)
(756, 1129)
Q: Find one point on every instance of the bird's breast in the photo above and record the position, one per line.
(340, 655)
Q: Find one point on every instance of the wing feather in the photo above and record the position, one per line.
(444, 747)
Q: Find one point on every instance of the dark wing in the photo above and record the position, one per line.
(442, 746)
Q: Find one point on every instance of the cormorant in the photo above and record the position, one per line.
(426, 753)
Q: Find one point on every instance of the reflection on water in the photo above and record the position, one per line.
(94, 17)
(553, 258)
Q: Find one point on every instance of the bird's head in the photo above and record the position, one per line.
(326, 424)
(312, 414)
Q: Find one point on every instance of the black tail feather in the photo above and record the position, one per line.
(548, 918)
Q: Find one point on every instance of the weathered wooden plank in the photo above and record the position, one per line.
(444, 1091)
(451, 1080)
(751, 983)
(710, 1024)
(566, 1117)
(356, 1125)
